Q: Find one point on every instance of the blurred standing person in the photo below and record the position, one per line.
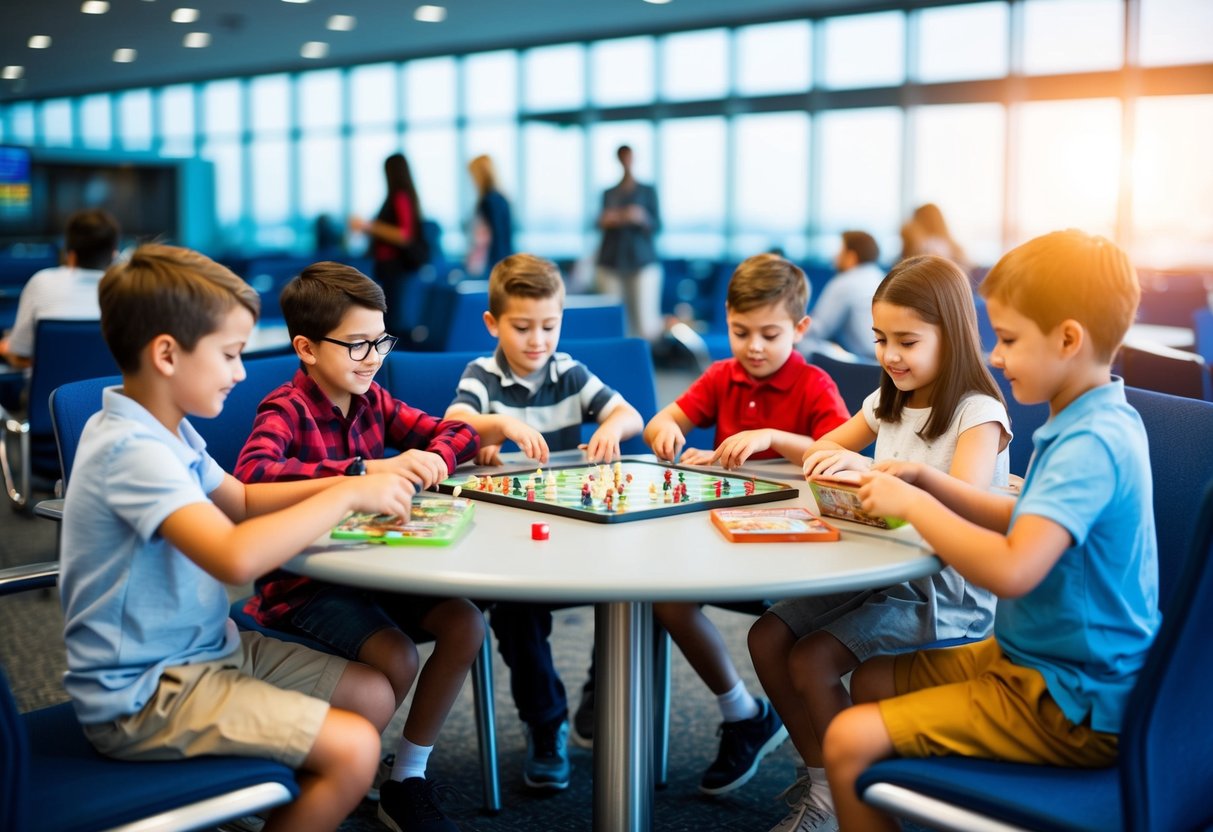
(492, 229)
(926, 232)
(627, 259)
(843, 313)
(398, 244)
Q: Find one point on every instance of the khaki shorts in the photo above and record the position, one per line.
(975, 702)
(267, 699)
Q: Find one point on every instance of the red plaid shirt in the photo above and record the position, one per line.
(300, 434)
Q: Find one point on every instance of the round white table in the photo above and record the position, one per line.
(621, 568)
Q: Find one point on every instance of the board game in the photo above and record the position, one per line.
(772, 525)
(837, 496)
(627, 490)
(434, 521)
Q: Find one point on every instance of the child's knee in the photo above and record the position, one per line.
(672, 613)
(458, 626)
(819, 658)
(769, 640)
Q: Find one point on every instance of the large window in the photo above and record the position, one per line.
(695, 65)
(962, 43)
(861, 171)
(691, 186)
(621, 72)
(771, 182)
(1072, 35)
(864, 50)
(552, 201)
(774, 58)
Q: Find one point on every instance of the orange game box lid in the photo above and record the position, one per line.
(772, 525)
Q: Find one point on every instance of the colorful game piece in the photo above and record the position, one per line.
(653, 492)
(610, 500)
(749, 487)
(719, 486)
(530, 495)
(726, 486)
(456, 491)
(540, 531)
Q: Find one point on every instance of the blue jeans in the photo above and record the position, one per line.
(522, 631)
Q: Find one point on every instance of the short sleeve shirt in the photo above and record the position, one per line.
(798, 398)
(1088, 625)
(134, 604)
(61, 292)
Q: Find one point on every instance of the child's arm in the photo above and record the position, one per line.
(430, 448)
(666, 432)
(495, 428)
(622, 422)
(739, 447)
(976, 454)
(270, 454)
(974, 503)
(237, 553)
(838, 449)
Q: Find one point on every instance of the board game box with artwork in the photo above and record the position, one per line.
(434, 521)
(772, 525)
(837, 496)
(630, 489)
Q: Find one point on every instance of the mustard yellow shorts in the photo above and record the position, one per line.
(267, 699)
(973, 701)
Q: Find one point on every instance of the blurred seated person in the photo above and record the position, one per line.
(68, 291)
(843, 313)
(926, 232)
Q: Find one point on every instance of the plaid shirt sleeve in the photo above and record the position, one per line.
(407, 428)
(288, 443)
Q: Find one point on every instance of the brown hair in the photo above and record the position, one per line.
(765, 279)
(937, 290)
(167, 290)
(314, 302)
(523, 276)
(92, 235)
(1069, 274)
(863, 244)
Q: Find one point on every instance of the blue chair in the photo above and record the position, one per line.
(1166, 370)
(856, 380)
(1202, 326)
(226, 434)
(1162, 779)
(1025, 419)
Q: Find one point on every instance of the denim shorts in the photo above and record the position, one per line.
(343, 618)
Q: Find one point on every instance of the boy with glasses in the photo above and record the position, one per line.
(332, 419)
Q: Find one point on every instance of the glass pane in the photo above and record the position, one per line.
(691, 186)
(270, 173)
(432, 159)
(774, 58)
(21, 123)
(97, 121)
(270, 103)
(57, 123)
(968, 187)
(553, 205)
(1068, 169)
(621, 72)
(135, 119)
(1172, 181)
(373, 94)
(221, 108)
(865, 50)
(695, 65)
(368, 187)
(860, 171)
(959, 43)
(771, 176)
(177, 112)
(1072, 35)
(320, 178)
(229, 179)
(605, 140)
(490, 84)
(320, 99)
(429, 90)
(554, 78)
(1176, 32)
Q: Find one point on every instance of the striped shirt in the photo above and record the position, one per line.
(567, 396)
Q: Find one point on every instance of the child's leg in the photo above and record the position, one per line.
(705, 650)
(522, 632)
(816, 666)
(393, 654)
(771, 642)
(856, 738)
(458, 629)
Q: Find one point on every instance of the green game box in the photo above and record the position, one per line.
(435, 521)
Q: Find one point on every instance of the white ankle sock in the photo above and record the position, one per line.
(819, 794)
(737, 704)
(411, 760)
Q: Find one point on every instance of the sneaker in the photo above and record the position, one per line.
(383, 774)
(409, 806)
(248, 823)
(547, 756)
(583, 721)
(742, 745)
(803, 815)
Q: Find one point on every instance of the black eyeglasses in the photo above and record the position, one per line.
(359, 350)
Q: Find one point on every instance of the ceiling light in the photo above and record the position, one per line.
(197, 40)
(314, 49)
(342, 22)
(94, 6)
(39, 41)
(124, 55)
(184, 15)
(430, 14)
(296, 1)
(12, 73)
(658, 2)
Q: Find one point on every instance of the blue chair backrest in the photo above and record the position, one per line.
(63, 351)
(425, 380)
(1025, 419)
(71, 406)
(1167, 370)
(584, 317)
(226, 434)
(1202, 326)
(14, 761)
(985, 329)
(856, 380)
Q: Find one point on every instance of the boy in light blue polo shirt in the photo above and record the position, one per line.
(1073, 561)
(153, 528)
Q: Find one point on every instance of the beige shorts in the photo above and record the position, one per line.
(267, 699)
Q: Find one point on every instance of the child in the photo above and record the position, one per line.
(938, 405)
(152, 529)
(766, 401)
(333, 419)
(1073, 560)
(539, 398)
(843, 313)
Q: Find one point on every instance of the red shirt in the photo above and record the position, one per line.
(798, 398)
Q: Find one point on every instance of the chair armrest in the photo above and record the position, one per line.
(28, 576)
(50, 509)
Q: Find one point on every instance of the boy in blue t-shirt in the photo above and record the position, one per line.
(1073, 560)
(153, 529)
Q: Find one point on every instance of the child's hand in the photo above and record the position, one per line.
(696, 456)
(739, 447)
(884, 495)
(380, 494)
(530, 441)
(489, 455)
(668, 442)
(423, 468)
(905, 471)
(603, 445)
(830, 461)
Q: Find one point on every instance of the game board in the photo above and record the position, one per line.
(650, 489)
(435, 521)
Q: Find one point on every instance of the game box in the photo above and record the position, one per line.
(435, 521)
(772, 525)
(837, 496)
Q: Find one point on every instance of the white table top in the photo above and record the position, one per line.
(1176, 337)
(682, 557)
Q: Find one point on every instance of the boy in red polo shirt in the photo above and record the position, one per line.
(766, 402)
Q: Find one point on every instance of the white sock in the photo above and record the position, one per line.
(819, 794)
(737, 704)
(411, 760)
